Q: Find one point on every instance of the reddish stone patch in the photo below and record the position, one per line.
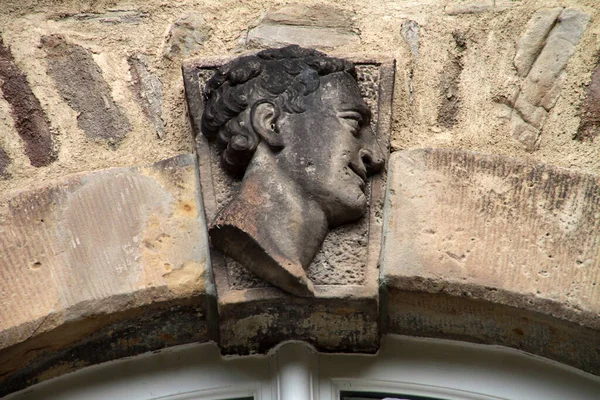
(80, 82)
(589, 126)
(30, 120)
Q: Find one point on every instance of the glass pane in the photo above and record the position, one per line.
(381, 396)
(237, 398)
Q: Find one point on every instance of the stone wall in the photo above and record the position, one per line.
(97, 84)
(102, 234)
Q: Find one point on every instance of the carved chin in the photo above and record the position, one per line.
(347, 209)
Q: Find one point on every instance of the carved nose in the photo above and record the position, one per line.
(372, 164)
(371, 155)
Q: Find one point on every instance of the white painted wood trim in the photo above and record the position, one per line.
(453, 371)
(294, 371)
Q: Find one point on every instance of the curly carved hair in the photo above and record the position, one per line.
(284, 76)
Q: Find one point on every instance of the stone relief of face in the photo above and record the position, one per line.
(293, 121)
(330, 148)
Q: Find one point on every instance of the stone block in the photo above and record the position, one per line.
(101, 265)
(317, 26)
(559, 46)
(532, 41)
(524, 132)
(343, 314)
(80, 82)
(315, 37)
(4, 163)
(185, 36)
(147, 88)
(30, 119)
(316, 15)
(491, 249)
(478, 7)
(542, 55)
(410, 33)
(111, 16)
(589, 126)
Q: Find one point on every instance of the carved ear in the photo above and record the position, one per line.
(264, 115)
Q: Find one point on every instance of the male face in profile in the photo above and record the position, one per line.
(293, 122)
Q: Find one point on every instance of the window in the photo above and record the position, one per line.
(379, 396)
(405, 368)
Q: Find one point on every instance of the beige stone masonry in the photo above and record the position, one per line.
(113, 263)
(495, 250)
(481, 248)
(101, 265)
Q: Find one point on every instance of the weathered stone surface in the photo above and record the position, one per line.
(410, 34)
(478, 7)
(114, 16)
(116, 256)
(305, 163)
(185, 36)
(553, 59)
(340, 321)
(278, 35)
(449, 83)
(344, 270)
(534, 38)
(30, 120)
(80, 82)
(147, 88)
(319, 26)
(559, 35)
(316, 15)
(493, 250)
(589, 126)
(4, 162)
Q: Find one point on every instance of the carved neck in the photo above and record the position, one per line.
(289, 221)
(272, 227)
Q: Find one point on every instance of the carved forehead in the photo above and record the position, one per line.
(341, 91)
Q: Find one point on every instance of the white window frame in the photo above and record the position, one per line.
(294, 371)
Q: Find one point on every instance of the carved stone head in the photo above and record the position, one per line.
(291, 121)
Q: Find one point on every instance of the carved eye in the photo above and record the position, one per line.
(353, 119)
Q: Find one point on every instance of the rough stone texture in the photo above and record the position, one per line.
(119, 254)
(410, 33)
(339, 322)
(111, 16)
(449, 83)
(80, 83)
(478, 7)
(185, 36)
(534, 38)
(488, 74)
(316, 15)
(148, 90)
(320, 26)
(589, 126)
(278, 35)
(558, 32)
(30, 119)
(4, 162)
(344, 270)
(493, 250)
